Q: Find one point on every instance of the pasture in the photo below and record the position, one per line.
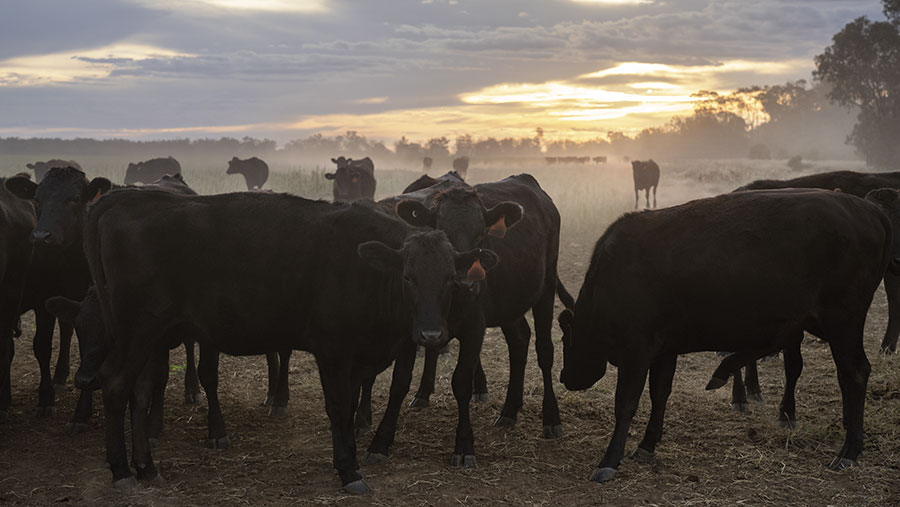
(709, 455)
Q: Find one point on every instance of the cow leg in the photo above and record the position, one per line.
(6, 353)
(892, 289)
(340, 404)
(192, 394)
(43, 344)
(754, 392)
(159, 373)
(853, 370)
(518, 335)
(142, 399)
(363, 422)
(426, 384)
(209, 377)
(738, 393)
(543, 346)
(400, 381)
(469, 351)
(83, 412)
(274, 369)
(793, 366)
(282, 389)
(61, 372)
(636, 197)
(654, 196)
(662, 371)
(629, 385)
(480, 389)
(647, 195)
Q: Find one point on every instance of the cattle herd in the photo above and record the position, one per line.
(141, 268)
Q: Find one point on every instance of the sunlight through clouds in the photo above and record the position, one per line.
(302, 6)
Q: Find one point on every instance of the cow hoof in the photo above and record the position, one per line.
(743, 408)
(505, 422)
(45, 411)
(757, 397)
(465, 461)
(481, 398)
(839, 463)
(553, 431)
(604, 474)
(218, 443)
(75, 428)
(640, 455)
(715, 383)
(362, 431)
(277, 412)
(193, 398)
(418, 403)
(357, 487)
(373, 458)
(445, 350)
(152, 442)
(787, 423)
(126, 484)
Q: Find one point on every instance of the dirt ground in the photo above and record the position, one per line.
(709, 455)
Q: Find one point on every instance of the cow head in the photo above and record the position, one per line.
(349, 180)
(93, 341)
(132, 174)
(888, 199)
(431, 270)
(234, 166)
(582, 365)
(61, 201)
(460, 213)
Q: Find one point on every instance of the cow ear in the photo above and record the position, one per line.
(416, 214)
(64, 309)
(334, 160)
(884, 197)
(476, 263)
(21, 187)
(29, 165)
(380, 256)
(96, 188)
(501, 217)
(329, 176)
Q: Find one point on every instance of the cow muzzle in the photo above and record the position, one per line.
(432, 338)
(41, 237)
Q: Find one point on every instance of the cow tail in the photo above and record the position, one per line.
(567, 300)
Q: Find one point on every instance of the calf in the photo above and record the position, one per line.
(348, 284)
(763, 259)
(353, 180)
(646, 176)
(254, 170)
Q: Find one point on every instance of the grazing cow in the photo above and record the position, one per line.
(352, 286)
(40, 168)
(17, 219)
(461, 166)
(526, 278)
(599, 160)
(151, 170)
(255, 171)
(646, 176)
(354, 180)
(778, 248)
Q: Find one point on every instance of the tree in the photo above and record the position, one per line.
(863, 68)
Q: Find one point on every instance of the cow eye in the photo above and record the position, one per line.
(408, 281)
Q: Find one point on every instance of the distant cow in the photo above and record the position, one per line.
(354, 180)
(347, 283)
(151, 170)
(643, 301)
(551, 160)
(41, 168)
(646, 176)
(426, 164)
(255, 171)
(599, 160)
(461, 166)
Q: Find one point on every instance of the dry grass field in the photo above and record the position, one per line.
(709, 455)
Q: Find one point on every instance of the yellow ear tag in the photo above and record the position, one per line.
(97, 196)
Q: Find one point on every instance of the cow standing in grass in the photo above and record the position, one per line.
(646, 177)
(254, 170)
(353, 180)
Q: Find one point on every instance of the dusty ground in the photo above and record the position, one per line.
(709, 455)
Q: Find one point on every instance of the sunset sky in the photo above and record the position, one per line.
(283, 69)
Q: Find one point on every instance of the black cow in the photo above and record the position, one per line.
(426, 164)
(345, 282)
(40, 168)
(461, 166)
(526, 278)
(646, 176)
(353, 180)
(17, 219)
(151, 170)
(423, 182)
(674, 281)
(255, 171)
